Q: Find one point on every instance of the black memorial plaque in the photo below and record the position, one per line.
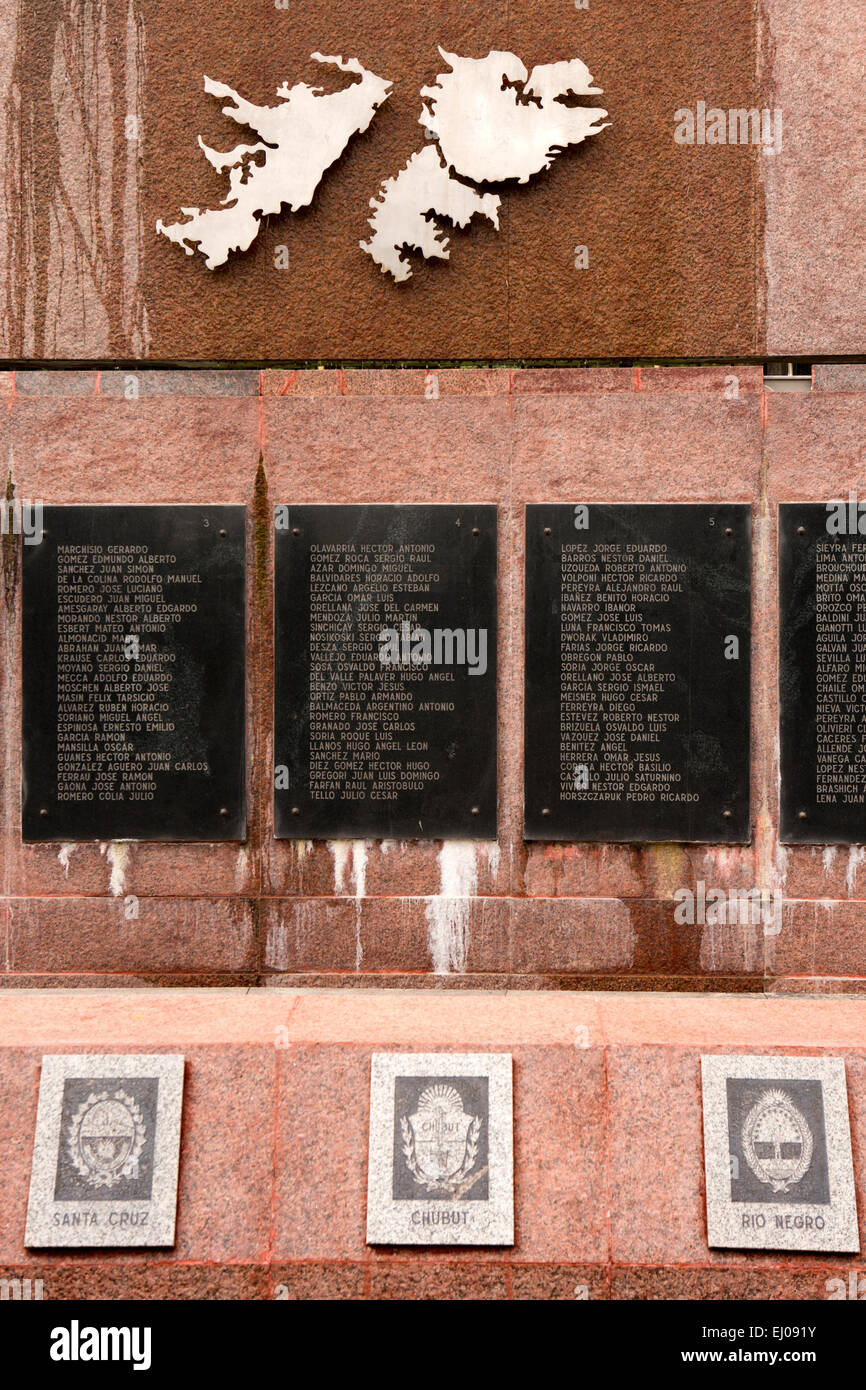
(637, 673)
(133, 674)
(822, 673)
(385, 703)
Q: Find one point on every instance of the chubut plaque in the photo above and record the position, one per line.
(385, 703)
(441, 1162)
(105, 1155)
(133, 674)
(777, 1152)
(637, 673)
(822, 673)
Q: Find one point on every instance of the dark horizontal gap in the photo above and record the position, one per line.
(802, 366)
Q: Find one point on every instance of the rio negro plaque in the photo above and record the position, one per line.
(822, 673)
(637, 672)
(105, 1155)
(385, 703)
(133, 674)
(777, 1154)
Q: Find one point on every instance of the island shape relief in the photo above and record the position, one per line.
(300, 139)
(490, 121)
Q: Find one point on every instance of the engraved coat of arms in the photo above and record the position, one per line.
(105, 1138)
(440, 1141)
(777, 1141)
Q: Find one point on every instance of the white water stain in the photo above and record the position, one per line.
(604, 938)
(351, 856)
(448, 913)
(117, 854)
(63, 857)
(77, 280)
(242, 862)
(721, 863)
(301, 917)
(780, 867)
(828, 858)
(494, 854)
(732, 947)
(856, 855)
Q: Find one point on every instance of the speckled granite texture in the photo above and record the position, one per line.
(609, 1192)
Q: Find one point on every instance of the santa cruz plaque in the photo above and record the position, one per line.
(637, 672)
(133, 674)
(105, 1155)
(385, 704)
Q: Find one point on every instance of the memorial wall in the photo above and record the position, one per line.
(432, 656)
(583, 790)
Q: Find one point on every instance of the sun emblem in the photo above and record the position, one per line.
(440, 1141)
(777, 1141)
(105, 1138)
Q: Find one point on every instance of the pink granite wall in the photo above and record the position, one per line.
(608, 1143)
(702, 251)
(396, 913)
(813, 256)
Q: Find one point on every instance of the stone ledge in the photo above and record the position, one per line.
(609, 1185)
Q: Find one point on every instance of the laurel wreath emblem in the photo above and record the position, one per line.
(441, 1184)
(130, 1167)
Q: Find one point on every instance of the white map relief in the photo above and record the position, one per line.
(489, 120)
(400, 217)
(493, 122)
(300, 139)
